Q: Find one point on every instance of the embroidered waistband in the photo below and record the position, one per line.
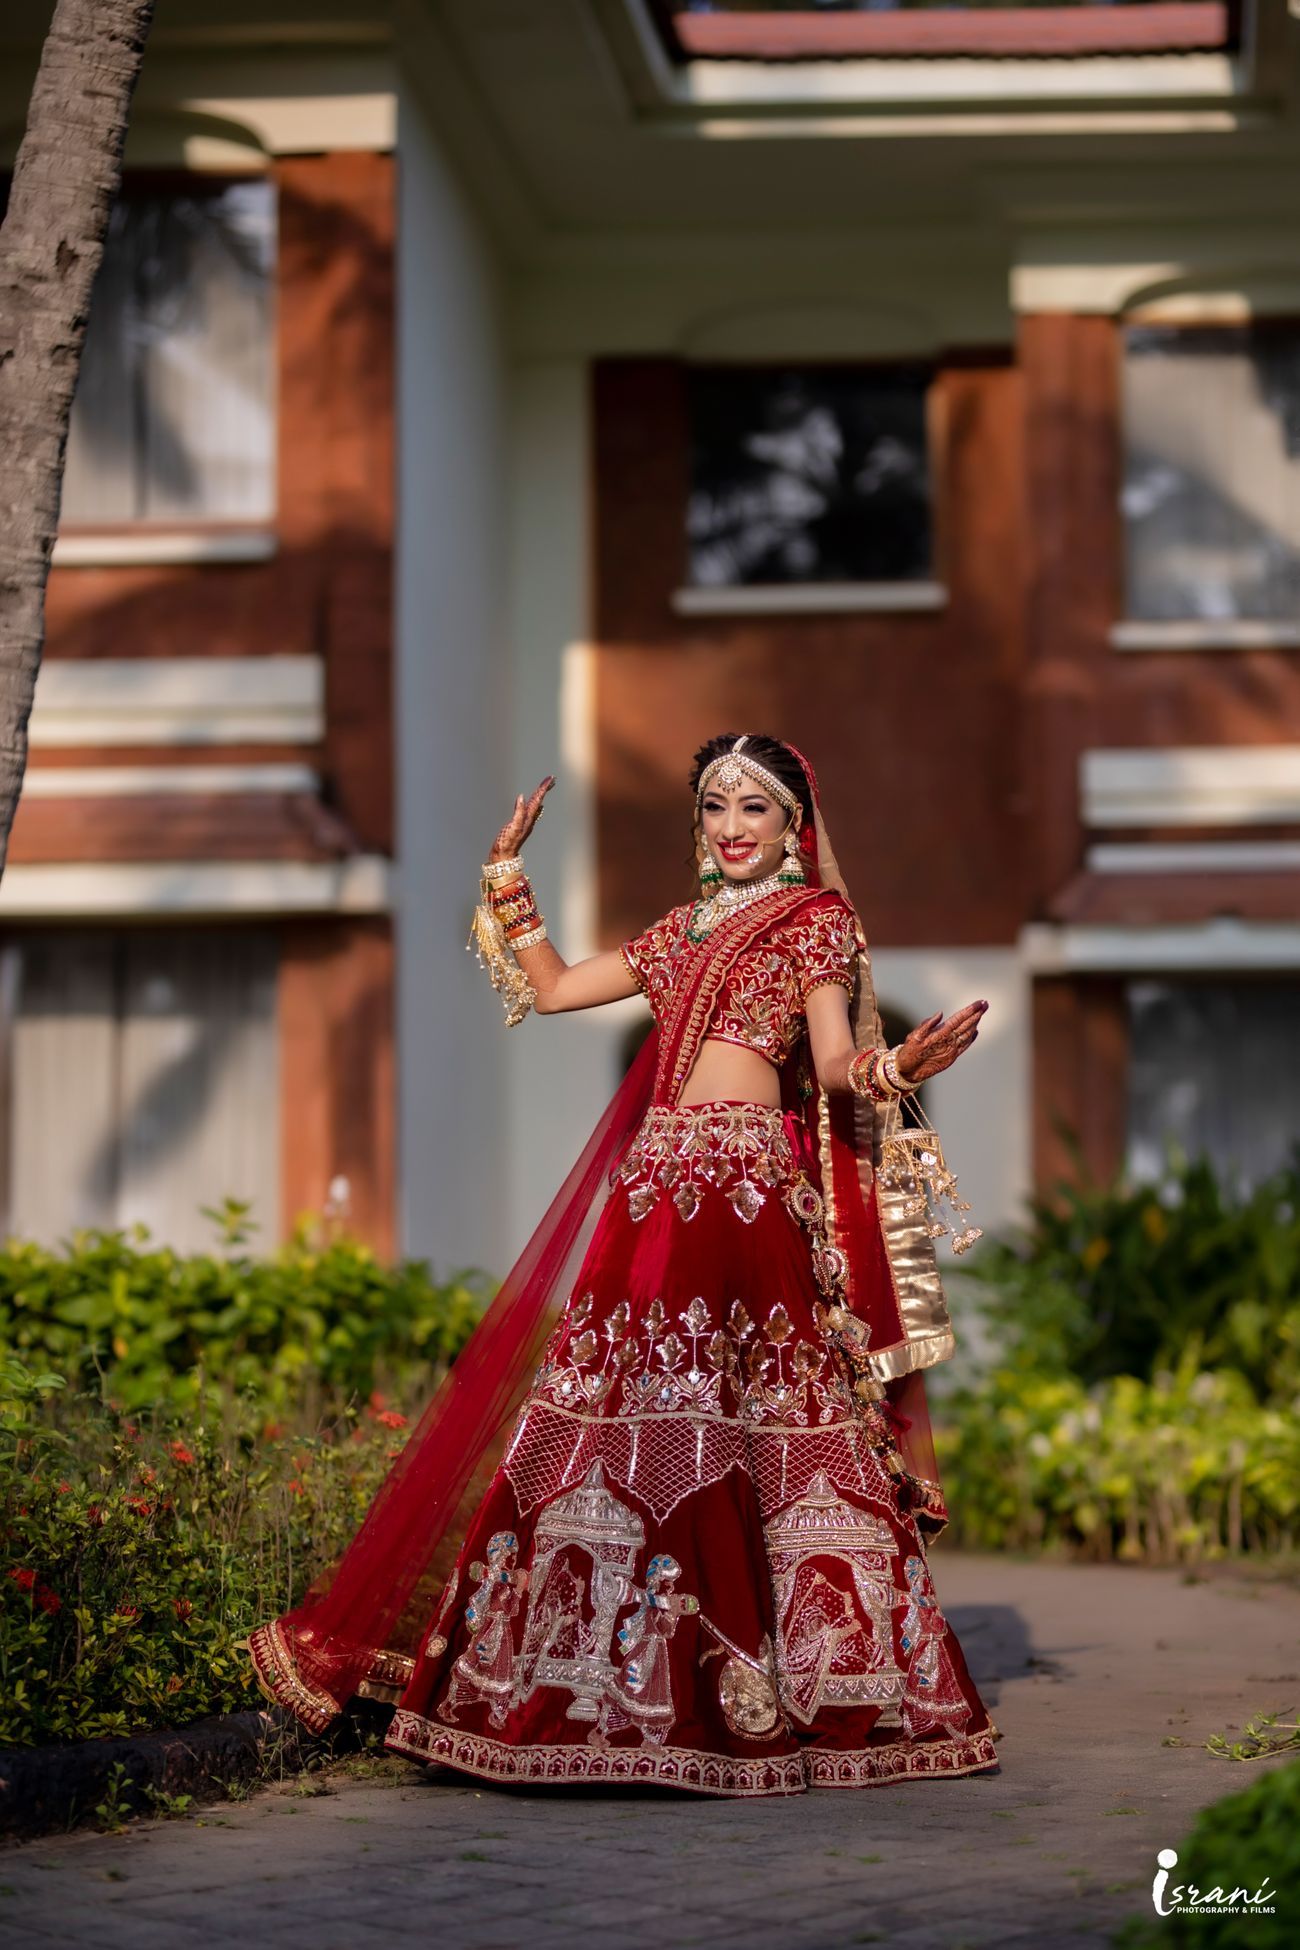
(742, 1149)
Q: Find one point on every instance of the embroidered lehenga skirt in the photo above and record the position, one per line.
(693, 1566)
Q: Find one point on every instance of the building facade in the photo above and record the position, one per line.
(478, 390)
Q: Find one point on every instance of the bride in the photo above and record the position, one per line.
(667, 1519)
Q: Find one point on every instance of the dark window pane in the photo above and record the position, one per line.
(173, 418)
(1213, 1070)
(812, 475)
(1212, 472)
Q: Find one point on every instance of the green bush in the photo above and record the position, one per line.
(136, 1552)
(1143, 1401)
(1251, 1841)
(184, 1441)
(1122, 1279)
(147, 1323)
(1184, 1467)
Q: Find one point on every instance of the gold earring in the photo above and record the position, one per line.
(792, 873)
(711, 874)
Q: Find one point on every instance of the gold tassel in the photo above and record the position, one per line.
(912, 1162)
(488, 939)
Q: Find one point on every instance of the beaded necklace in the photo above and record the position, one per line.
(729, 899)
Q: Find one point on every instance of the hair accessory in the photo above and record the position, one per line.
(729, 770)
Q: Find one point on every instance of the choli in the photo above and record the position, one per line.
(761, 1004)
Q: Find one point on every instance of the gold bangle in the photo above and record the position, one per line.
(889, 1064)
(503, 869)
(863, 1076)
(529, 940)
(516, 900)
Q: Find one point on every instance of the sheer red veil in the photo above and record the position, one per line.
(357, 1629)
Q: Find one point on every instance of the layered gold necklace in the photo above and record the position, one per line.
(731, 897)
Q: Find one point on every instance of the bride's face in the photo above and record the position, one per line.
(744, 831)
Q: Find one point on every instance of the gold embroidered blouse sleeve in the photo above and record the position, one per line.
(826, 945)
(827, 953)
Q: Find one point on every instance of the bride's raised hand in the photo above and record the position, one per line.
(521, 822)
(936, 1043)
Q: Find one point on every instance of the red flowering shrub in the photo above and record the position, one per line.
(121, 1611)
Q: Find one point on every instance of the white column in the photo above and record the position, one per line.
(451, 755)
(562, 1069)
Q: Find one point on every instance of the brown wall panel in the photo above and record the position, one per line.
(337, 1073)
(1072, 471)
(1080, 1077)
(911, 720)
(327, 591)
(177, 826)
(1080, 691)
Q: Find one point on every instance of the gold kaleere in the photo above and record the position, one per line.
(487, 938)
(912, 1163)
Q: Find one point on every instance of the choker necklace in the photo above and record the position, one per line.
(729, 899)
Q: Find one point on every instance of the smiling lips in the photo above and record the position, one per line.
(742, 852)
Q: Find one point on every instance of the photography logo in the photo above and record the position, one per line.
(1185, 1899)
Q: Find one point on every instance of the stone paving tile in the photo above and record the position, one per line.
(1088, 1669)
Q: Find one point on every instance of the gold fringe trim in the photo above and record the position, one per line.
(685, 1767)
(276, 1672)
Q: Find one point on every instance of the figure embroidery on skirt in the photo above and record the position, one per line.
(486, 1666)
(933, 1699)
(561, 1647)
(834, 1636)
(640, 1692)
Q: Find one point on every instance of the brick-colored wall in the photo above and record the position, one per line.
(337, 1072)
(1080, 692)
(912, 720)
(327, 590)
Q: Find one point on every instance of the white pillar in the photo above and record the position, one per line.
(451, 752)
(562, 1069)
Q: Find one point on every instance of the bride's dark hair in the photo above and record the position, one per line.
(770, 753)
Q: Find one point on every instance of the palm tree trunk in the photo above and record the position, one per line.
(65, 179)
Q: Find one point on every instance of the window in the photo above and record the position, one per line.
(1211, 494)
(173, 419)
(1208, 1069)
(139, 1076)
(810, 475)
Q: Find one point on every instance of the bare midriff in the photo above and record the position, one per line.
(724, 1070)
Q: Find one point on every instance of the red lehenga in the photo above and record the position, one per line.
(689, 1544)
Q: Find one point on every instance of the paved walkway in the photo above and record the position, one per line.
(1088, 1671)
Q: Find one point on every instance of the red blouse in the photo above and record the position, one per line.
(761, 1005)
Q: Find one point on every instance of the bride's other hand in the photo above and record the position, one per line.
(936, 1043)
(521, 822)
